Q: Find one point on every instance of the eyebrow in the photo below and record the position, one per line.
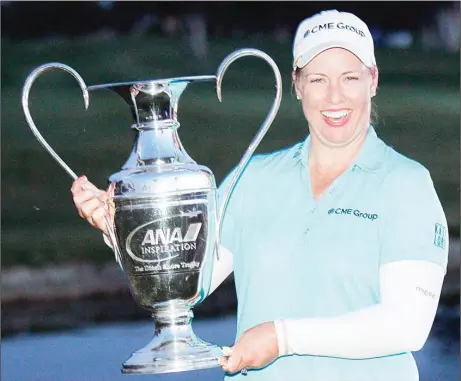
(324, 75)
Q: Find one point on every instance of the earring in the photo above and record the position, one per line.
(298, 97)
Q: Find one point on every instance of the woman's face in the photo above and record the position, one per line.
(335, 89)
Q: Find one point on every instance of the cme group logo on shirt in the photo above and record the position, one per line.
(354, 212)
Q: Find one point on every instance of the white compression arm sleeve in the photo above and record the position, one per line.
(410, 293)
(222, 268)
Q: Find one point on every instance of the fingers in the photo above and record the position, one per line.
(98, 218)
(78, 184)
(231, 362)
(233, 367)
(91, 203)
(85, 201)
(255, 348)
(227, 351)
(82, 183)
(234, 364)
(88, 206)
(223, 362)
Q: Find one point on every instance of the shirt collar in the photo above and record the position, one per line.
(370, 157)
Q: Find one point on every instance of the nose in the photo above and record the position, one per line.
(335, 94)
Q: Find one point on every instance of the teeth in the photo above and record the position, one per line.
(335, 114)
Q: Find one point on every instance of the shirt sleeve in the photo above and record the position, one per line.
(414, 226)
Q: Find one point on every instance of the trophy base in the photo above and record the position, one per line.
(174, 348)
(189, 357)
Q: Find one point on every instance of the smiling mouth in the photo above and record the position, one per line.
(338, 115)
(336, 118)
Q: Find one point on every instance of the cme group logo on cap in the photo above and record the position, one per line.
(333, 25)
(354, 212)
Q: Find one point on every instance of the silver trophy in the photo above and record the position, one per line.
(164, 220)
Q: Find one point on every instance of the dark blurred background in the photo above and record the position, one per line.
(57, 272)
(224, 19)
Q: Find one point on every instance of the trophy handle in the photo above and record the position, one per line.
(262, 130)
(25, 106)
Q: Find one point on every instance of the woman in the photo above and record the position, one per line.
(338, 244)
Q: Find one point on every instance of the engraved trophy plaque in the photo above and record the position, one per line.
(165, 222)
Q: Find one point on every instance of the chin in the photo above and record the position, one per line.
(334, 135)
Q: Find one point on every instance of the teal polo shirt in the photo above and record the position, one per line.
(295, 257)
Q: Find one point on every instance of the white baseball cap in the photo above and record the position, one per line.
(332, 29)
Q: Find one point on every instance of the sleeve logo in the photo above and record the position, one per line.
(439, 236)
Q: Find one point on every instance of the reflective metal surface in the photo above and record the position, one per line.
(164, 221)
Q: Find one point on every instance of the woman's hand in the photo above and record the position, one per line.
(257, 347)
(92, 203)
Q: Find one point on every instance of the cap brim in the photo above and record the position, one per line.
(307, 56)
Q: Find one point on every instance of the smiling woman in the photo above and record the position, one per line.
(354, 293)
(328, 278)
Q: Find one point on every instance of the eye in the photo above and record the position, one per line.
(352, 78)
(315, 80)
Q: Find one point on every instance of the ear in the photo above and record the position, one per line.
(295, 83)
(374, 80)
